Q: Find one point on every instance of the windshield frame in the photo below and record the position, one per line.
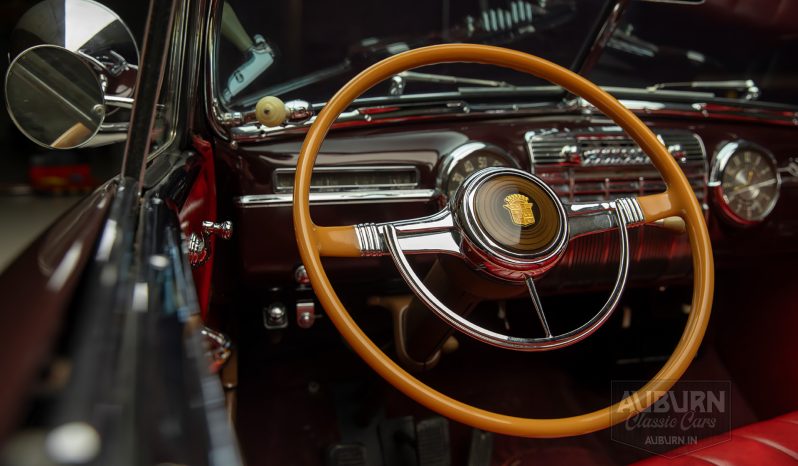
(223, 117)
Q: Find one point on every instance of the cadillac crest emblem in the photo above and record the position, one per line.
(520, 209)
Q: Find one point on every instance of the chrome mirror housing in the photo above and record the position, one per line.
(74, 64)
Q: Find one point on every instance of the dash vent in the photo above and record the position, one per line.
(607, 148)
(597, 164)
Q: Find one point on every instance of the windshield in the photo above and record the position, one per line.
(308, 50)
(716, 46)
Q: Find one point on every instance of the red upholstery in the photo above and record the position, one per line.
(772, 443)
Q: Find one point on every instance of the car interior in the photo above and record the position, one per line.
(492, 232)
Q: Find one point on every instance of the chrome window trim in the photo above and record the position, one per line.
(214, 110)
(343, 197)
(174, 78)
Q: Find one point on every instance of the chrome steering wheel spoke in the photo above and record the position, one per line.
(434, 234)
(533, 294)
(589, 218)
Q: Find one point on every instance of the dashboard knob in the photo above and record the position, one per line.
(301, 276)
(270, 111)
(275, 316)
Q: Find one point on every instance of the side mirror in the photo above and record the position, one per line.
(54, 97)
(75, 64)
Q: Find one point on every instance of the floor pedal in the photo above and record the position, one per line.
(351, 454)
(432, 440)
(481, 450)
(398, 441)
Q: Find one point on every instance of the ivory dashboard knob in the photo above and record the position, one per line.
(270, 111)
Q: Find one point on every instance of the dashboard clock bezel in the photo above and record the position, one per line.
(450, 161)
(715, 183)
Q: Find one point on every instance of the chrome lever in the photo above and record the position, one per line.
(199, 246)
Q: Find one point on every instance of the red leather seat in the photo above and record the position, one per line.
(772, 443)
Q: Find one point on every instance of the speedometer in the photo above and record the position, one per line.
(468, 159)
(746, 182)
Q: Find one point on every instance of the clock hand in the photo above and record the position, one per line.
(761, 184)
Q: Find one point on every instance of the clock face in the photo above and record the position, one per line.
(749, 184)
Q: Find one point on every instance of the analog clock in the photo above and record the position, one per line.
(745, 182)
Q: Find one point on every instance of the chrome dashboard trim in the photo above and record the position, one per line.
(343, 197)
(352, 168)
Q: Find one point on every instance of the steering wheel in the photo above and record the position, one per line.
(510, 225)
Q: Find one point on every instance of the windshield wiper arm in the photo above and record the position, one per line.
(398, 81)
(747, 85)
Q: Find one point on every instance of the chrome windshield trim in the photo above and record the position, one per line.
(387, 114)
(707, 111)
(347, 197)
(573, 109)
(214, 109)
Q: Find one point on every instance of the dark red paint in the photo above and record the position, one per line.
(36, 289)
(200, 205)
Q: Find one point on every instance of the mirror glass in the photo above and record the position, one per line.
(89, 29)
(54, 97)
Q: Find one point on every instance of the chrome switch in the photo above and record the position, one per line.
(305, 313)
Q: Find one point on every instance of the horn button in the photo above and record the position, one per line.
(513, 223)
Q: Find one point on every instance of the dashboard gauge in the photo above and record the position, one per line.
(468, 159)
(745, 182)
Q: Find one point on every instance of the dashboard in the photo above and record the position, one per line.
(742, 173)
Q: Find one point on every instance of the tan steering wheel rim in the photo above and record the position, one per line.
(679, 200)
